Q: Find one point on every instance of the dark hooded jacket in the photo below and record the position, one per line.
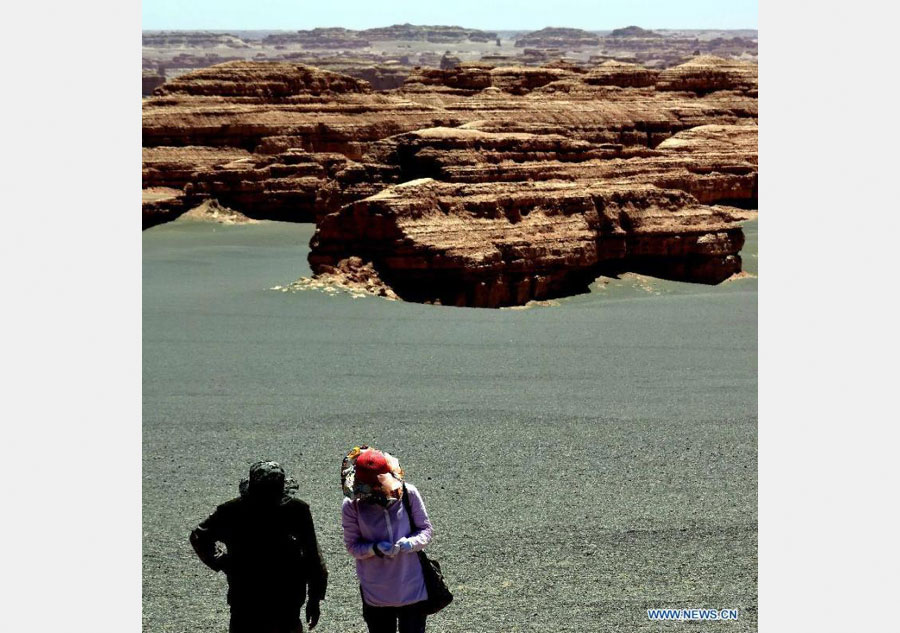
(271, 556)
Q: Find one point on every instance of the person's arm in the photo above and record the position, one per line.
(419, 539)
(358, 547)
(204, 538)
(316, 571)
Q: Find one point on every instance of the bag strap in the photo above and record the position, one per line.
(406, 504)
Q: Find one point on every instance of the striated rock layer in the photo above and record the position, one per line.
(492, 245)
(472, 185)
(707, 73)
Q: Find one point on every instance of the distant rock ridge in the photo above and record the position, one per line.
(191, 39)
(335, 37)
(558, 37)
(633, 31)
(348, 38)
(433, 33)
(473, 185)
(377, 56)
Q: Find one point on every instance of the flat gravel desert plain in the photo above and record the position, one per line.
(581, 462)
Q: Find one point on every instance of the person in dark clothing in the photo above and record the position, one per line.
(270, 555)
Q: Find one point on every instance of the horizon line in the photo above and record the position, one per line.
(661, 28)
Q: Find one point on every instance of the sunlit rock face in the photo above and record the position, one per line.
(498, 244)
(473, 185)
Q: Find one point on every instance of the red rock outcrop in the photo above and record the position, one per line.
(708, 73)
(613, 73)
(262, 81)
(473, 185)
(493, 244)
(520, 80)
(714, 163)
(464, 79)
(240, 104)
(176, 166)
(468, 79)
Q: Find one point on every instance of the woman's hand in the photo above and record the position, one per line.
(388, 549)
(404, 545)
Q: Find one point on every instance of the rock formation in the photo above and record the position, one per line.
(613, 73)
(438, 34)
(386, 56)
(150, 81)
(708, 73)
(191, 39)
(633, 31)
(163, 204)
(472, 185)
(262, 81)
(212, 211)
(320, 38)
(563, 38)
(334, 38)
(497, 244)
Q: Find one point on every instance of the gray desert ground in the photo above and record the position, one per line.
(581, 462)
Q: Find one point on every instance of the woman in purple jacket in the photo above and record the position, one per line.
(378, 535)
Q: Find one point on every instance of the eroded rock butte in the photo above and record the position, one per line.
(472, 185)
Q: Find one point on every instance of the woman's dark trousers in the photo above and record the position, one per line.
(409, 619)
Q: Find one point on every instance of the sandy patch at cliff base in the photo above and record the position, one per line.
(534, 303)
(157, 194)
(351, 275)
(635, 280)
(212, 211)
(741, 275)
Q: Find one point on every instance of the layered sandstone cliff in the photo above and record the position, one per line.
(613, 73)
(498, 244)
(264, 82)
(708, 73)
(473, 185)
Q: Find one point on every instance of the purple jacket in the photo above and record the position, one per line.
(387, 582)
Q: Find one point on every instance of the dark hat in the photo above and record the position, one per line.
(266, 478)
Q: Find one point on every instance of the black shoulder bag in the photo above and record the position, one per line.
(439, 595)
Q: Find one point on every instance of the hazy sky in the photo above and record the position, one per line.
(485, 14)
